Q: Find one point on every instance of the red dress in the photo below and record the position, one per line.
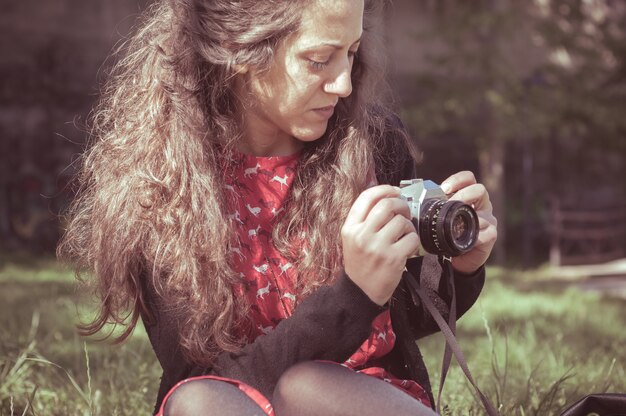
(256, 192)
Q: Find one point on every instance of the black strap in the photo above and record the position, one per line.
(449, 330)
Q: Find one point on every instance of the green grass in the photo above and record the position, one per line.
(532, 347)
(46, 369)
(534, 351)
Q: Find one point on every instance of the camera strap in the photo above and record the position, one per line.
(449, 332)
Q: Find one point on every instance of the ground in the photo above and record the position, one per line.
(533, 347)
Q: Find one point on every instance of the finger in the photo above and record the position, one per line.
(484, 223)
(475, 195)
(487, 236)
(384, 211)
(407, 245)
(487, 225)
(366, 200)
(457, 181)
(396, 228)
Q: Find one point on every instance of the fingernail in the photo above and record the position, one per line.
(446, 188)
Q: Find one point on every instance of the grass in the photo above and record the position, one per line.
(46, 369)
(532, 348)
(534, 351)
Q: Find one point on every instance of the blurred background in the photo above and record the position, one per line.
(528, 94)
(54, 57)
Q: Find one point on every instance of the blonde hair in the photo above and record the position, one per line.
(150, 203)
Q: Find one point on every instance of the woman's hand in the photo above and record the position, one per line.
(378, 237)
(462, 186)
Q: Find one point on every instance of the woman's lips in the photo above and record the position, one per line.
(325, 112)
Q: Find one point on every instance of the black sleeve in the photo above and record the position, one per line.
(330, 324)
(395, 156)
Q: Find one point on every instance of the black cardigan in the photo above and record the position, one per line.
(331, 323)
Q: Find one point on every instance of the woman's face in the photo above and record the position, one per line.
(293, 101)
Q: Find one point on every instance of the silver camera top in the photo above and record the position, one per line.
(416, 191)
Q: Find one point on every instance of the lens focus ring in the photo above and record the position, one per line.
(447, 227)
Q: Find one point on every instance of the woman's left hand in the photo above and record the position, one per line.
(462, 186)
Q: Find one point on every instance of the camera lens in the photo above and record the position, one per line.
(447, 227)
(459, 227)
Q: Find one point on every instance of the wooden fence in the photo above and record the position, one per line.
(589, 236)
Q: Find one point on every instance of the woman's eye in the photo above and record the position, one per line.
(318, 64)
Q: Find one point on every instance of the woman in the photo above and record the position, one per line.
(230, 200)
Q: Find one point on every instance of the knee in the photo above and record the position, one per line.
(298, 381)
(189, 399)
(209, 397)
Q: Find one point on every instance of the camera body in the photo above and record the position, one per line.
(448, 228)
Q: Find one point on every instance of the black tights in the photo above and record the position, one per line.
(210, 397)
(306, 389)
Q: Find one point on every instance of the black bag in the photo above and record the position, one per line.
(606, 404)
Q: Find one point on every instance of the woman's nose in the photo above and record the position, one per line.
(341, 84)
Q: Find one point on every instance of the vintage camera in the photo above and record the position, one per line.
(448, 228)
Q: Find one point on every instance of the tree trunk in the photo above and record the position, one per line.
(491, 159)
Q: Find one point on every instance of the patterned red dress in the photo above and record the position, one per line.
(257, 190)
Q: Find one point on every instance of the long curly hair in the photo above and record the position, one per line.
(150, 206)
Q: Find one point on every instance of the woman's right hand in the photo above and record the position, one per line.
(378, 237)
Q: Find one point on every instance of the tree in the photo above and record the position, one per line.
(517, 79)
